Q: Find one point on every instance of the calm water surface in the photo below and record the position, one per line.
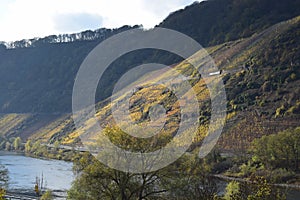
(24, 170)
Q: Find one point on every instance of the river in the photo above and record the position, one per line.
(23, 171)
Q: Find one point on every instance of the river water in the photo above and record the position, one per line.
(23, 171)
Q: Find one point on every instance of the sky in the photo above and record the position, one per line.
(26, 19)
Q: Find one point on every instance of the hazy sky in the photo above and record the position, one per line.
(24, 19)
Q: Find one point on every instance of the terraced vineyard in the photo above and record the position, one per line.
(260, 91)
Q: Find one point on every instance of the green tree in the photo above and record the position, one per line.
(261, 189)
(28, 146)
(56, 145)
(96, 181)
(7, 146)
(17, 143)
(256, 189)
(279, 150)
(232, 191)
(184, 179)
(2, 194)
(47, 195)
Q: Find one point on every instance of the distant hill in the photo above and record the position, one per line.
(217, 21)
(96, 35)
(37, 75)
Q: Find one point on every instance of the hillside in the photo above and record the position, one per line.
(261, 75)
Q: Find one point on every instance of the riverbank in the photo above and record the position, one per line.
(228, 178)
(292, 191)
(38, 150)
(29, 195)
